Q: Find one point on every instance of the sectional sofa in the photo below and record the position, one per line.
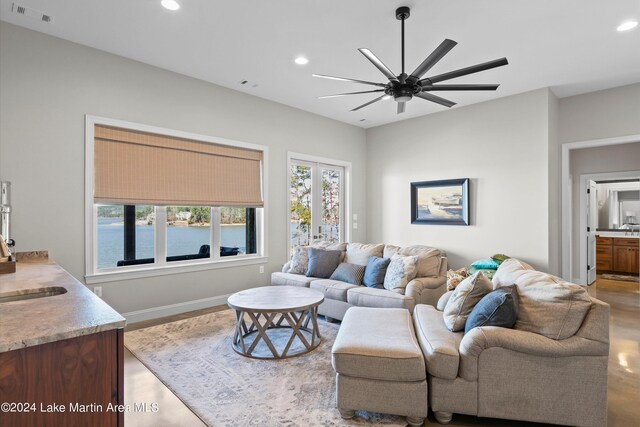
(427, 287)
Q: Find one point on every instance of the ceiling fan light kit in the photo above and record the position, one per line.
(404, 87)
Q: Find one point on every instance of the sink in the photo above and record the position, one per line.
(32, 294)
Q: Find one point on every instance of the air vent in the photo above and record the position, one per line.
(31, 13)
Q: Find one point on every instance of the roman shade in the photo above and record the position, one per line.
(139, 168)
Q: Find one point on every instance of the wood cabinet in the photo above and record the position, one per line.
(86, 372)
(618, 255)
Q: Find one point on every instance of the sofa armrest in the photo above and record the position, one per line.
(479, 339)
(285, 268)
(426, 290)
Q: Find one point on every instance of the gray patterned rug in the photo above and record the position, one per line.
(194, 359)
(622, 277)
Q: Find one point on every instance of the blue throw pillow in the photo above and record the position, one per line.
(350, 273)
(375, 271)
(497, 308)
(322, 263)
(488, 264)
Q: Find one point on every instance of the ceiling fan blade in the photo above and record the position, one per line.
(464, 71)
(368, 103)
(343, 79)
(379, 64)
(433, 59)
(436, 99)
(350, 93)
(430, 88)
(401, 106)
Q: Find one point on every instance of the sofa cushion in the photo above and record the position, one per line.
(378, 344)
(548, 305)
(497, 308)
(375, 271)
(429, 258)
(465, 296)
(358, 253)
(332, 289)
(290, 279)
(300, 260)
(438, 343)
(322, 263)
(350, 273)
(402, 269)
(381, 298)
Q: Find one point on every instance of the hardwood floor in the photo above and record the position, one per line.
(624, 369)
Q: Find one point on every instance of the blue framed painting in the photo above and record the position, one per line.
(440, 202)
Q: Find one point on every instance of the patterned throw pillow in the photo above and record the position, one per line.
(299, 260)
(349, 273)
(402, 269)
(455, 277)
(464, 298)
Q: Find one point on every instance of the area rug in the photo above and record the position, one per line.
(620, 277)
(194, 359)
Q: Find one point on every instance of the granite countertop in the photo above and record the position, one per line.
(37, 321)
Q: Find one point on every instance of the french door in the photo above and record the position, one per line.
(316, 202)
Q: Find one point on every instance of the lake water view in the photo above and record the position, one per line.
(180, 240)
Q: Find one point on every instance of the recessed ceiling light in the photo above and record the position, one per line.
(301, 60)
(170, 4)
(626, 26)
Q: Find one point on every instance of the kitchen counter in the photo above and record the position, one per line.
(32, 322)
(618, 233)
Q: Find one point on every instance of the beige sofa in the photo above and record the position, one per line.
(426, 288)
(551, 368)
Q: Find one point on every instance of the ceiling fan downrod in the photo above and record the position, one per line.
(402, 13)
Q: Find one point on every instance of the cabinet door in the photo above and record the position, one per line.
(625, 259)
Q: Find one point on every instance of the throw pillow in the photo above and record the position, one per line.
(486, 264)
(465, 296)
(299, 260)
(455, 277)
(488, 272)
(402, 269)
(500, 258)
(322, 263)
(497, 308)
(358, 253)
(375, 271)
(350, 273)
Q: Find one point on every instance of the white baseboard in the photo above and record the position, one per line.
(170, 310)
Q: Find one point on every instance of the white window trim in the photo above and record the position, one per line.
(95, 275)
(291, 158)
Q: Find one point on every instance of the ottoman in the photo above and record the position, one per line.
(379, 365)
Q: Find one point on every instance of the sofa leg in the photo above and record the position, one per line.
(443, 417)
(347, 414)
(415, 421)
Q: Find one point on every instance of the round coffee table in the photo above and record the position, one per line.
(271, 312)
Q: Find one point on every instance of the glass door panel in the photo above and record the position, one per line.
(316, 203)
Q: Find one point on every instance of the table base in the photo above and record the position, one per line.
(246, 338)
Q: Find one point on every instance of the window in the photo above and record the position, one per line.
(136, 178)
(317, 201)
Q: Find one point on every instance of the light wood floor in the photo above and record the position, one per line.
(624, 369)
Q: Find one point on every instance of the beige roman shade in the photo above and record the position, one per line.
(137, 168)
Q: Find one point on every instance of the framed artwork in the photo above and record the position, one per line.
(440, 202)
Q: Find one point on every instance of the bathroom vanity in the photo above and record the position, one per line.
(617, 253)
(61, 349)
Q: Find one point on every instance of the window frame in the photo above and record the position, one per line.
(161, 267)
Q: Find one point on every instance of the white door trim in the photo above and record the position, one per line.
(567, 222)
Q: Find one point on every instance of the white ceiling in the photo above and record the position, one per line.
(571, 46)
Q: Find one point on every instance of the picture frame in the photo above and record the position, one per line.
(444, 202)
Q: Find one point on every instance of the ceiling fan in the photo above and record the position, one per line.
(404, 87)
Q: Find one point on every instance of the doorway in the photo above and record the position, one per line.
(318, 203)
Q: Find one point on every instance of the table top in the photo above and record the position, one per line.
(275, 299)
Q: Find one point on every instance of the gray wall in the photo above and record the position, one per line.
(47, 87)
(501, 145)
